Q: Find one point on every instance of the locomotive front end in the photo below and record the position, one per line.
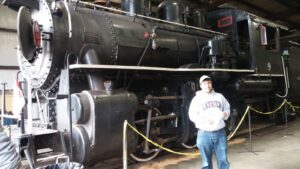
(35, 38)
(47, 34)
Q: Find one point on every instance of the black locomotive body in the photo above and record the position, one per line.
(144, 70)
(256, 42)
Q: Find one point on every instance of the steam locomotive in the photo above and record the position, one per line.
(109, 66)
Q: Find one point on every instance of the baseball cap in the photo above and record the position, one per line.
(203, 78)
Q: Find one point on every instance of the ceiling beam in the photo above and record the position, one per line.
(293, 36)
(289, 12)
(271, 16)
(210, 4)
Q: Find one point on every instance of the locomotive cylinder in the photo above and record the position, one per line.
(97, 120)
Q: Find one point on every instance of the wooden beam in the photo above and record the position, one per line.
(292, 36)
(288, 13)
(210, 4)
(8, 30)
(9, 67)
(269, 15)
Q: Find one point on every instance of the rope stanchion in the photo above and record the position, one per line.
(257, 111)
(271, 112)
(248, 109)
(238, 126)
(160, 146)
(125, 144)
(292, 106)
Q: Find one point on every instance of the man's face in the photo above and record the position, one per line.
(206, 86)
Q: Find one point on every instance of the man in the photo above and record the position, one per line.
(208, 110)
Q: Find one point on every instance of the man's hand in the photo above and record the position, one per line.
(210, 121)
(224, 115)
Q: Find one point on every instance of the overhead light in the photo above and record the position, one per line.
(267, 22)
(294, 43)
(293, 30)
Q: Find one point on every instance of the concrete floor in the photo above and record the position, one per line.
(272, 148)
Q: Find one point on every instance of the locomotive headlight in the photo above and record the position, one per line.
(35, 31)
(37, 39)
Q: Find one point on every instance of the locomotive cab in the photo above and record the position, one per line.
(256, 42)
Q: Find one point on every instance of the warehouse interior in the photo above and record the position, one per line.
(83, 76)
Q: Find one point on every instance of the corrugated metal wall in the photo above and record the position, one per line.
(8, 44)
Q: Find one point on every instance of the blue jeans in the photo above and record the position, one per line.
(213, 142)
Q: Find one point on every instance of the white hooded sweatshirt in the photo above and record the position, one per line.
(206, 110)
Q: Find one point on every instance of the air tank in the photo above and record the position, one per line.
(199, 18)
(171, 10)
(136, 6)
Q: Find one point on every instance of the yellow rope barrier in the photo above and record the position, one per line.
(292, 106)
(228, 138)
(257, 111)
(271, 112)
(157, 145)
(238, 126)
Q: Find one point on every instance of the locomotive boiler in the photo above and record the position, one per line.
(129, 66)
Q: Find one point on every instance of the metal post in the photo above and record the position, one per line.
(69, 105)
(146, 147)
(125, 145)
(23, 86)
(29, 158)
(250, 132)
(286, 120)
(3, 104)
(22, 125)
(29, 107)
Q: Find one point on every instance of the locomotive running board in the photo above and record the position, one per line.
(147, 68)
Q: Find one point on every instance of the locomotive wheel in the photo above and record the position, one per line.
(189, 144)
(141, 156)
